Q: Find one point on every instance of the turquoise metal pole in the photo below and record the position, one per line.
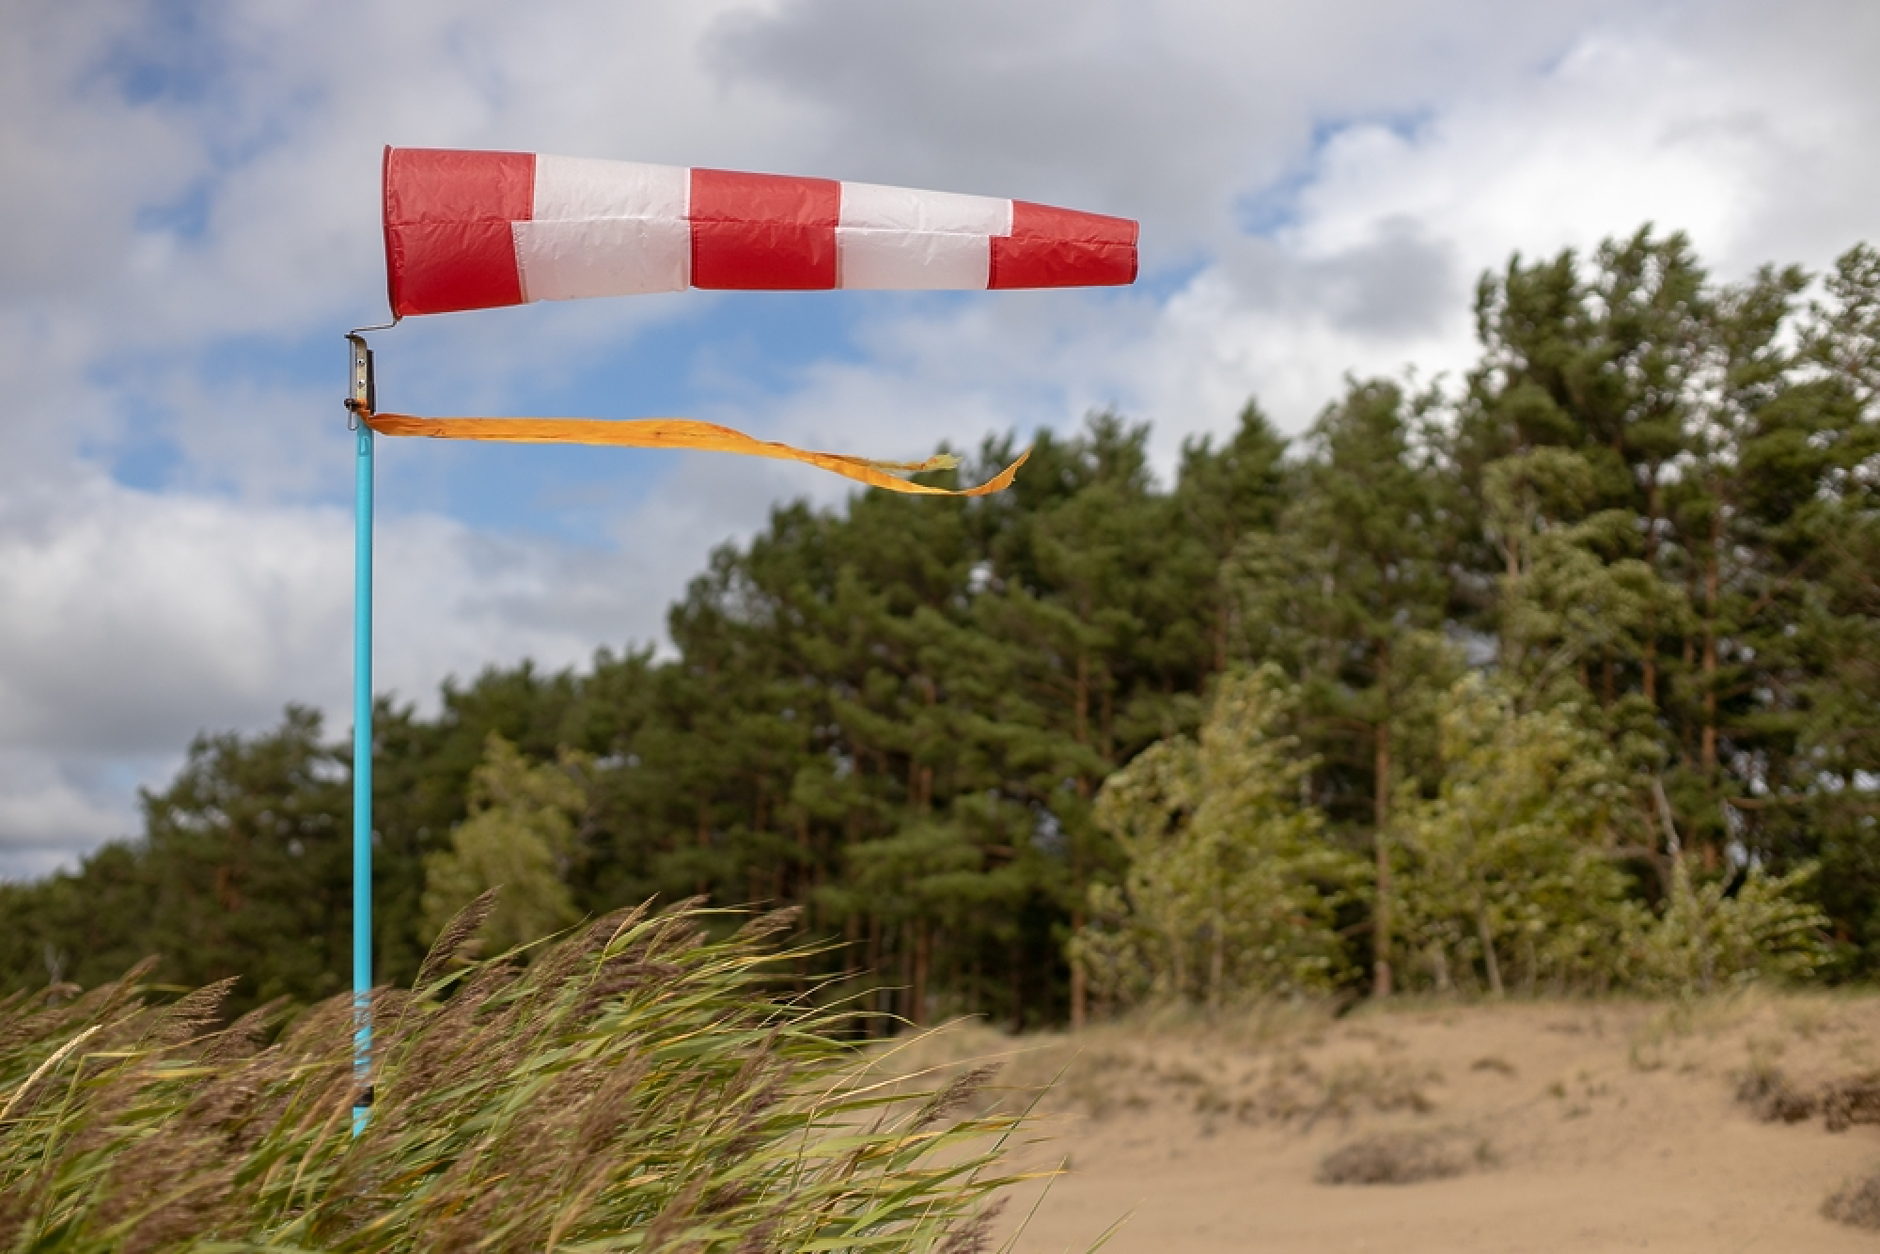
(362, 781)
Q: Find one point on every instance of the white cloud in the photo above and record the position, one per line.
(52, 803)
(130, 621)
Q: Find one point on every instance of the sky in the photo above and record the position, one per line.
(189, 224)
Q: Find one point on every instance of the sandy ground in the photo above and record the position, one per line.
(1568, 1126)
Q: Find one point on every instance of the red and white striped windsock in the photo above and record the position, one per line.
(473, 230)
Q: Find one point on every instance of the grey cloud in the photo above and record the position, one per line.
(1041, 101)
(1163, 111)
(1398, 284)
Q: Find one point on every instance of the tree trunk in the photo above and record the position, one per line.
(923, 955)
(1217, 945)
(1489, 961)
(1178, 963)
(1511, 552)
(1650, 663)
(1381, 914)
(1080, 983)
(1709, 749)
(874, 966)
(1217, 966)
(904, 945)
(1690, 647)
(804, 862)
(1380, 957)
(1082, 707)
(1018, 987)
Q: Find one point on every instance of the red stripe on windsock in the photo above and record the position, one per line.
(765, 231)
(1051, 247)
(448, 240)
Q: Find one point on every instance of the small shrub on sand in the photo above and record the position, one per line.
(1850, 1100)
(635, 1087)
(1842, 1103)
(1391, 1158)
(1856, 1204)
(1772, 1099)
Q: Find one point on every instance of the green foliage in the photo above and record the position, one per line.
(1506, 874)
(1506, 878)
(1655, 503)
(1708, 938)
(1231, 888)
(520, 837)
(632, 1089)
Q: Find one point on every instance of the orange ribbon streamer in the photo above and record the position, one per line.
(685, 433)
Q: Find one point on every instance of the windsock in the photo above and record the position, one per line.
(479, 230)
(476, 230)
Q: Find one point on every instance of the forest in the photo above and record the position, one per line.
(1562, 676)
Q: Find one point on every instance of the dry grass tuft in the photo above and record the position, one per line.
(634, 1086)
(455, 938)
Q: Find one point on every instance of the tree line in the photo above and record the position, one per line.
(1566, 675)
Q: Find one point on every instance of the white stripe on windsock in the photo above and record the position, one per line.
(901, 238)
(605, 228)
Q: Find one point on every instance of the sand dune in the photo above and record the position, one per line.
(1543, 1126)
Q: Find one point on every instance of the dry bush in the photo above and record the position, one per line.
(1395, 1158)
(1842, 1103)
(1856, 1204)
(1770, 1096)
(1850, 1100)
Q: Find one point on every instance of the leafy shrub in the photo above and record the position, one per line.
(520, 834)
(1232, 887)
(1504, 870)
(1707, 938)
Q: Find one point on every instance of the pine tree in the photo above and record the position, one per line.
(1347, 582)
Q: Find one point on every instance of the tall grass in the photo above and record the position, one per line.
(635, 1087)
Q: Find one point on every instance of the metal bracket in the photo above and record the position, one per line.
(364, 397)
